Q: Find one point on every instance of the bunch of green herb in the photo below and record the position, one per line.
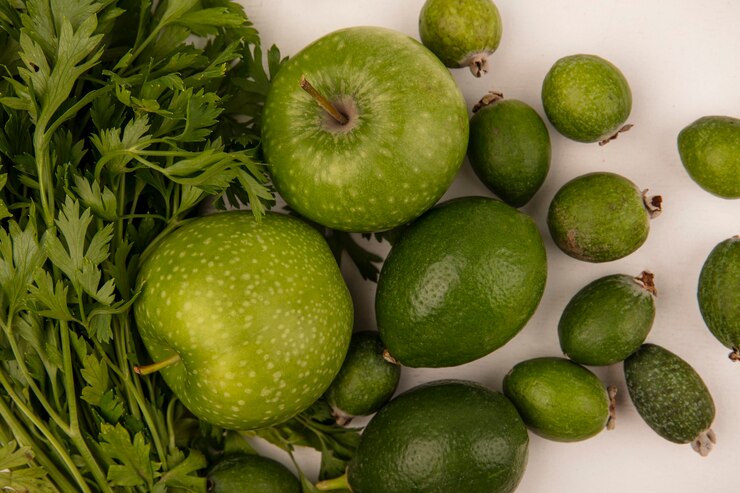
(118, 119)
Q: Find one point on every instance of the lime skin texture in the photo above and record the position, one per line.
(509, 150)
(586, 98)
(598, 217)
(607, 320)
(670, 396)
(710, 151)
(719, 293)
(257, 314)
(462, 33)
(460, 282)
(245, 473)
(366, 380)
(403, 143)
(441, 437)
(558, 399)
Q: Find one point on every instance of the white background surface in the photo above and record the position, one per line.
(682, 59)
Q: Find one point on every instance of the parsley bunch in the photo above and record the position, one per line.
(118, 120)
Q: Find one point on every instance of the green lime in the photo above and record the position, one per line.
(586, 98)
(441, 437)
(608, 319)
(710, 152)
(366, 380)
(558, 399)
(460, 282)
(462, 33)
(600, 217)
(245, 473)
(509, 148)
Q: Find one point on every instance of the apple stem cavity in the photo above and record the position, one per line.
(325, 104)
(159, 365)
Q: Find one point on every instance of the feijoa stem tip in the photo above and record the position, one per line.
(389, 357)
(611, 423)
(646, 280)
(622, 129)
(735, 355)
(704, 443)
(653, 204)
(489, 98)
(478, 64)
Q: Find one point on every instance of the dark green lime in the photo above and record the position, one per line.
(509, 149)
(462, 33)
(710, 152)
(600, 217)
(245, 473)
(366, 380)
(460, 282)
(586, 98)
(719, 293)
(608, 319)
(670, 396)
(442, 437)
(558, 399)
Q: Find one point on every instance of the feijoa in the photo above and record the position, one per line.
(608, 319)
(600, 217)
(462, 33)
(440, 437)
(245, 473)
(366, 380)
(710, 151)
(509, 148)
(671, 397)
(460, 282)
(558, 399)
(586, 98)
(719, 293)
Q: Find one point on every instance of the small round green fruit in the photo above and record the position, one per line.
(710, 151)
(244, 473)
(462, 33)
(586, 98)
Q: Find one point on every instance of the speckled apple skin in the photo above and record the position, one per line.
(257, 311)
(402, 152)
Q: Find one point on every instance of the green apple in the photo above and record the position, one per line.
(248, 321)
(397, 138)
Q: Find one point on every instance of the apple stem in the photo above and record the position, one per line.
(159, 365)
(323, 102)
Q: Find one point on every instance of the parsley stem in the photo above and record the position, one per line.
(29, 414)
(26, 440)
(74, 423)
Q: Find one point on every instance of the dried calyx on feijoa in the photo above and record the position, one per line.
(601, 216)
(462, 33)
